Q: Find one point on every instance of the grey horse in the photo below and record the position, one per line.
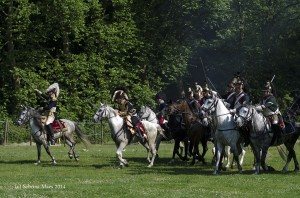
(122, 136)
(261, 137)
(40, 137)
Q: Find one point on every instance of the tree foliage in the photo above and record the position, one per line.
(89, 47)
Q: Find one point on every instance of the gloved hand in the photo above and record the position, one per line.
(260, 107)
(232, 111)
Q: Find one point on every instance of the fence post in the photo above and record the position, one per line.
(6, 132)
(101, 132)
(95, 138)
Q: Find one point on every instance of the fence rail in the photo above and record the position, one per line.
(97, 133)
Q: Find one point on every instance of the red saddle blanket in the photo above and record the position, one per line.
(141, 127)
(58, 125)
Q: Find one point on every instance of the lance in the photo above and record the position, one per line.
(213, 87)
(26, 82)
(272, 78)
(203, 69)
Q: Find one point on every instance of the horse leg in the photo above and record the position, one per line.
(218, 156)
(236, 158)
(39, 148)
(158, 140)
(257, 160)
(153, 151)
(242, 156)
(48, 151)
(204, 148)
(192, 151)
(295, 162)
(173, 155)
(186, 147)
(263, 159)
(289, 158)
(227, 153)
(120, 147)
(71, 152)
(176, 149)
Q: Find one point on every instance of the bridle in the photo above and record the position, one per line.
(212, 105)
(26, 117)
(248, 116)
(101, 112)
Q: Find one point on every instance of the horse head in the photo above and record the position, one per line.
(101, 113)
(244, 115)
(24, 115)
(209, 105)
(144, 112)
(180, 106)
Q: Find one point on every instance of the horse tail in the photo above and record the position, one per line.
(160, 131)
(282, 153)
(82, 136)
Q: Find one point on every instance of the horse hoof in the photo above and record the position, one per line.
(270, 168)
(54, 162)
(76, 159)
(215, 173)
(240, 172)
(71, 156)
(171, 162)
(150, 165)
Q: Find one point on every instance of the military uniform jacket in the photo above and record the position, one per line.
(241, 99)
(51, 104)
(230, 98)
(160, 108)
(127, 109)
(271, 105)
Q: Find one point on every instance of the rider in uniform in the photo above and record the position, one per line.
(50, 109)
(270, 109)
(230, 96)
(193, 102)
(241, 98)
(127, 111)
(161, 106)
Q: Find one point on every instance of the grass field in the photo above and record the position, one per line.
(97, 175)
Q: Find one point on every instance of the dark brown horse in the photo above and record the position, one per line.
(195, 131)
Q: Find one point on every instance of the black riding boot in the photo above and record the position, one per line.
(50, 134)
(139, 133)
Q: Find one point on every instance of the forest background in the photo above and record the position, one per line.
(91, 46)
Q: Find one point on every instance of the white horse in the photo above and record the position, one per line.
(225, 130)
(146, 113)
(122, 136)
(67, 130)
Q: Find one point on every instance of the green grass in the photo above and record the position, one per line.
(97, 175)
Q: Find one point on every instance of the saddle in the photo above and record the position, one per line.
(58, 126)
(141, 127)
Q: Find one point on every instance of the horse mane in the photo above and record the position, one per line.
(112, 110)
